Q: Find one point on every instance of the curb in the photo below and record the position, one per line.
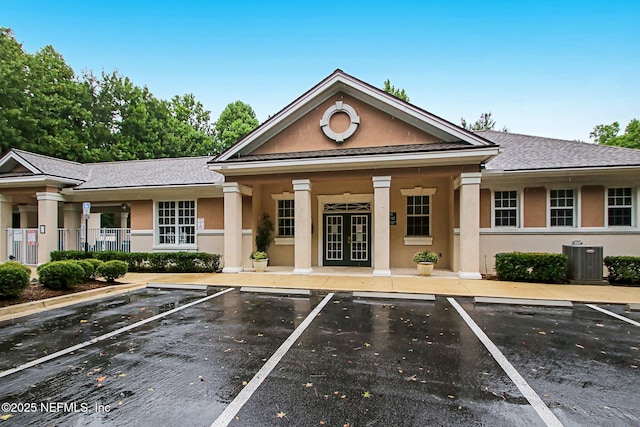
(27, 308)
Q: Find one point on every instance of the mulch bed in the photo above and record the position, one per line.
(36, 292)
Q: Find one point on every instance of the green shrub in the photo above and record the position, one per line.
(156, 262)
(425, 256)
(60, 274)
(531, 267)
(68, 255)
(12, 264)
(95, 263)
(623, 269)
(112, 270)
(13, 279)
(88, 268)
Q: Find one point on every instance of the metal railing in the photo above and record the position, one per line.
(22, 243)
(63, 239)
(105, 239)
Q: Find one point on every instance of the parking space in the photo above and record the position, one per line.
(195, 357)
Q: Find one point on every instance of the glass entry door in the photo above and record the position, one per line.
(347, 239)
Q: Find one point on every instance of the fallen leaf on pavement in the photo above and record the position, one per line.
(5, 417)
(281, 414)
(366, 394)
(100, 379)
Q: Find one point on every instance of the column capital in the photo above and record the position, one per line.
(381, 181)
(467, 178)
(234, 187)
(7, 199)
(301, 184)
(56, 197)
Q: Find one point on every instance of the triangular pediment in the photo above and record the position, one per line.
(14, 164)
(342, 112)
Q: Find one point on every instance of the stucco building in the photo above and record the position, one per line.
(351, 176)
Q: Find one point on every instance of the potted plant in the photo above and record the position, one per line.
(263, 240)
(425, 262)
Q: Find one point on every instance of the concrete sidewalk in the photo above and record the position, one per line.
(443, 286)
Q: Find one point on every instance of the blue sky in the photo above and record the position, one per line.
(549, 68)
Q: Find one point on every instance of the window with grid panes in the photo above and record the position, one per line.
(561, 203)
(418, 215)
(506, 208)
(619, 206)
(176, 222)
(286, 218)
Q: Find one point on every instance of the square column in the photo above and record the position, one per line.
(47, 217)
(381, 186)
(232, 227)
(6, 216)
(469, 253)
(72, 223)
(302, 238)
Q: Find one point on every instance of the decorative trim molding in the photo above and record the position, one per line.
(56, 197)
(284, 241)
(141, 232)
(418, 241)
(381, 181)
(286, 195)
(339, 107)
(468, 178)
(301, 185)
(418, 191)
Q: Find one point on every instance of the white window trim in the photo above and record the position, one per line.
(519, 208)
(419, 191)
(189, 247)
(284, 240)
(634, 210)
(577, 211)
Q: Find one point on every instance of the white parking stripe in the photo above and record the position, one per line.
(617, 316)
(543, 411)
(245, 394)
(107, 336)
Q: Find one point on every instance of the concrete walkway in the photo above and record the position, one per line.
(442, 284)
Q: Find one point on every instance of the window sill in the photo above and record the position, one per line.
(284, 241)
(418, 241)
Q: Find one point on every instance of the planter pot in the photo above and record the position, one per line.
(260, 264)
(425, 268)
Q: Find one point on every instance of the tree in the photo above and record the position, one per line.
(608, 134)
(398, 93)
(235, 122)
(485, 122)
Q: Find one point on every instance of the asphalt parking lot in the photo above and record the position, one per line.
(225, 357)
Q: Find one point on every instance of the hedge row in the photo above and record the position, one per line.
(531, 267)
(623, 269)
(69, 273)
(154, 262)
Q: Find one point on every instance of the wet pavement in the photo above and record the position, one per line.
(359, 362)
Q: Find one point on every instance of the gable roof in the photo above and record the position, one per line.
(41, 165)
(339, 81)
(525, 152)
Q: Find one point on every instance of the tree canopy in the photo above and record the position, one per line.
(46, 108)
(398, 93)
(610, 134)
(485, 122)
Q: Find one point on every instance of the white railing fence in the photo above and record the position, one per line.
(22, 243)
(105, 239)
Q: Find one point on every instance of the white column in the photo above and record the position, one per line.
(47, 217)
(6, 216)
(381, 185)
(469, 253)
(302, 240)
(124, 216)
(232, 227)
(72, 219)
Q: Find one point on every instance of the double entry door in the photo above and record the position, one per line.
(347, 239)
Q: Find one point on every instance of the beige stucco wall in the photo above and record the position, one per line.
(541, 241)
(211, 243)
(212, 211)
(485, 208)
(592, 205)
(376, 129)
(141, 214)
(141, 242)
(535, 207)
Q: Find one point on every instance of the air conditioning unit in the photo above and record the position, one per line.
(584, 263)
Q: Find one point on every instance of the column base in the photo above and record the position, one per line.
(306, 271)
(469, 275)
(382, 273)
(233, 269)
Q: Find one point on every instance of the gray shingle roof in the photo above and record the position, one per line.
(150, 173)
(54, 167)
(387, 149)
(525, 152)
